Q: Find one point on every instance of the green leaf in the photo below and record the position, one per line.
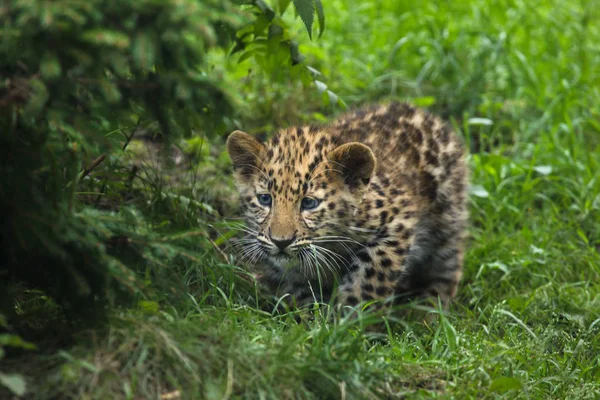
(50, 66)
(246, 55)
(426, 101)
(119, 63)
(266, 9)
(320, 16)
(480, 121)
(106, 38)
(37, 98)
(148, 306)
(321, 86)
(306, 11)
(399, 44)
(297, 58)
(111, 92)
(543, 169)
(275, 31)
(14, 382)
(313, 71)
(283, 5)
(144, 52)
(333, 98)
(15, 341)
(479, 191)
(504, 384)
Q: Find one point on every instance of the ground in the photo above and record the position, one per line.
(519, 80)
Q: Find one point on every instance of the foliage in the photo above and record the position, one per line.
(271, 96)
(78, 76)
(15, 383)
(80, 81)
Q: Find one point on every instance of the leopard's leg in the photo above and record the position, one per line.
(434, 267)
(377, 269)
(423, 273)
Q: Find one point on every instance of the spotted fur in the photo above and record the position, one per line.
(390, 186)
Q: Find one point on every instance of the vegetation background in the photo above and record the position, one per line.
(117, 201)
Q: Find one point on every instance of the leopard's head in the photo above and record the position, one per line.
(300, 191)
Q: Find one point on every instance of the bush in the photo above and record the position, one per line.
(81, 79)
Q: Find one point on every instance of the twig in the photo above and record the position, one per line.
(86, 171)
(92, 166)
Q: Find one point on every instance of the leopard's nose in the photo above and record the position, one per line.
(282, 243)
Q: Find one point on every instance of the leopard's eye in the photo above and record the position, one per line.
(308, 203)
(264, 199)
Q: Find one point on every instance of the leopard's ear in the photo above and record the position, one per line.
(356, 162)
(245, 153)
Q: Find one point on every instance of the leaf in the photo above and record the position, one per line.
(275, 31)
(183, 92)
(332, 97)
(266, 9)
(50, 66)
(399, 44)
(283, 5)
(306, 11)
(321, 87)
(15, 341)
(143, 50)
(120, 63)
(536, 250)
(297, 58)
(151, 307)
(504, 384)
(107, 38)
(314, 72)
(111, 92)
(543, 169)
(14, 382)
(426, 101)
(246, 55)
(479, 191)
(37, 99)
(519, 322)
(498, 265)
(480, 121)
(320, 16)
(450, 333)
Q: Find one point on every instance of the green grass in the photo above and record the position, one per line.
(526, 322)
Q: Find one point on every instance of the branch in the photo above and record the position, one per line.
(86, 171)
(92, 166)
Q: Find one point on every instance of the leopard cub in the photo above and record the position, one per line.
(372, 206)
